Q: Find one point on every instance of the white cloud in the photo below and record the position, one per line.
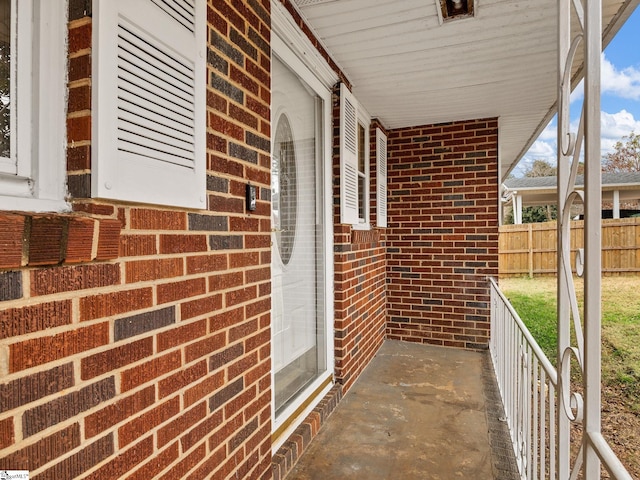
(550, 132)
(624, 83)
(614, 126)
(578, 93)
(544, 148)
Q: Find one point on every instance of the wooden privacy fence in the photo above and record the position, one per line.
(530, 249)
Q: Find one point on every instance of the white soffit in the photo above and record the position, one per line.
(408, 69)
(306, 3)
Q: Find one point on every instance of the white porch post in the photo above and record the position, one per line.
(616, 204)
(517, 209)
(564, 91)
(573, 406)
(593, 231)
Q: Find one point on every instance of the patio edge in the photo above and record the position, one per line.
(288, 455)
(503, 460)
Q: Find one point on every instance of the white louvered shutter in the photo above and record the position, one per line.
(149, 101)
(348, 157)
(381, 178)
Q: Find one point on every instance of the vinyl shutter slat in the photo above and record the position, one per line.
(381, 179)
(348, 157)
(151, 101)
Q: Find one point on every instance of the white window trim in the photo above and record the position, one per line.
(318, 75)
(364, 119)
(39, 143)
(297, 42)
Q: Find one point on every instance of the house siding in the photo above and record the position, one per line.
(442, 240)
(135, 340)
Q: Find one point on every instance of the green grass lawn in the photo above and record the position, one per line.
(535, 302)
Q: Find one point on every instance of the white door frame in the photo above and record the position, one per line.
(294, 49)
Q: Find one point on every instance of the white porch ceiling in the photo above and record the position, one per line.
(407, 69)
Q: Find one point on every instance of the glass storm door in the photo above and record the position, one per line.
(297, 265)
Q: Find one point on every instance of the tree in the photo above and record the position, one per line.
(541, 213)
(534, 214)
(625, 157)
(541, 168)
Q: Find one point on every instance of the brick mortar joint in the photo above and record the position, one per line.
(80, 22)
(79, 114)
(78, 144)
(82, 82)
(234, 121)
(79, 53)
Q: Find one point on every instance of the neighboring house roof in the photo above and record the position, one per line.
(542, 190)
(608, 180)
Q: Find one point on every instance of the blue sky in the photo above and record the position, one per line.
(620, 100)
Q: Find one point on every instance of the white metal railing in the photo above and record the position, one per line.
(528, 385)
(527, 382)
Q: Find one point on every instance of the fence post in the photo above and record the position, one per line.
(530, 248)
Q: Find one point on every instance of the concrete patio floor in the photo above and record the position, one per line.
(417, 412)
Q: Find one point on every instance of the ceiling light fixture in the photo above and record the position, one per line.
(455, 9)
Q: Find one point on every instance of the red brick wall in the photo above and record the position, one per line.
(135, 340)
(360, 271)
(360, 312)
(443, 232)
